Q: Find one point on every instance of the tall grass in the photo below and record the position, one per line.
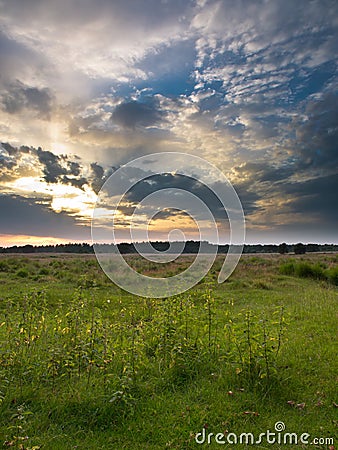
(114, 356)
(81, 361)
(304, 269)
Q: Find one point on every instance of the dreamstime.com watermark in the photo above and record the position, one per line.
(278, 436)
(155, 189)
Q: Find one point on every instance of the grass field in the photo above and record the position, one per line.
(85, 365)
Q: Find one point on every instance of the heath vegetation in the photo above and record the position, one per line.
(84, 364)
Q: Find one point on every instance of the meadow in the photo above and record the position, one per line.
(85, 365)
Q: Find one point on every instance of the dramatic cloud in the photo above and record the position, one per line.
(317, 134)
(52, 167)
(28, 217)
(133, 114)
(249, 85)
(18, 97)
(97, 178)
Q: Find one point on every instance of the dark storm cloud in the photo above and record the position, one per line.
(156, 183)
(27, 217)
(52, 166)
(312, 200)
(316, 198)
(18, 96)
(137, 114)
(251, 172)
(161, 181)
(76, 182)
(10, 167)
(99, 175)
(97, 178)
(74, 168)
(60, 169)
(306, 182)
(97, 170)
(10, 149)
(6, 159)
(257, 181)
(316, 143)
(169, 213)
(55, 168)
(248, 197)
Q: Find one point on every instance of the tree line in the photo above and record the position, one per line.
(190, 247)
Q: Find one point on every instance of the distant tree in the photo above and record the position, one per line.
(283, 248)
(190, 247)
(312, 248)
(299, 249)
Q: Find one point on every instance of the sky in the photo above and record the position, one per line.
(88, 85)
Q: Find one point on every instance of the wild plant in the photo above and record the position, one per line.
(18, 433)
(211, 322)
(257, 340)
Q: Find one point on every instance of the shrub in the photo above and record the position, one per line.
(44, 271)
(3, 266)
(332, 275)
(23, 273)
(306, 270)
(287, 268)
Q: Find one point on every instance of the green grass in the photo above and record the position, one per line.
(86, 365)
(306, 269)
